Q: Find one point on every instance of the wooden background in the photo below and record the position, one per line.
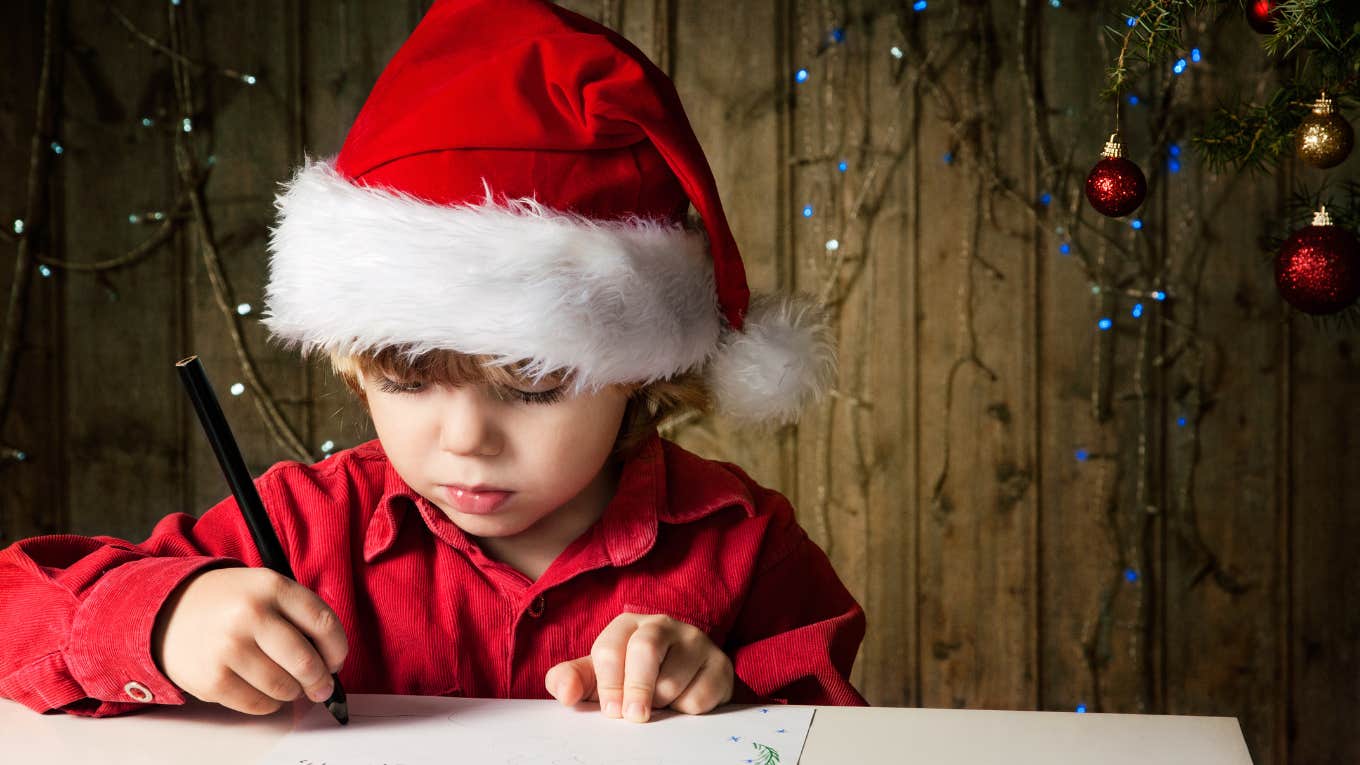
(1196, 568)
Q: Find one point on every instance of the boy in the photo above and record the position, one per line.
(497, 264)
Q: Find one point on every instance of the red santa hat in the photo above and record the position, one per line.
(516, 185)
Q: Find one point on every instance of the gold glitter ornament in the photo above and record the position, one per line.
(1324, 138)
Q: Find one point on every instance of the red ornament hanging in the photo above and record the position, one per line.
(1318, 268)
(1262, 14)
(1116, 186)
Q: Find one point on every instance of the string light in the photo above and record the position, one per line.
(328, 446)
(1137, 223)
(1158, 295)
(248, 79)
(1130, 575)
(1180, 66)
(896, 52)
(1081, 709)
(1137, 310)
(1195, 55)
(187, 125)
(1082, 455)
(948, 158)
(832, 245)
(837, 34)
(56, 148)
(134, 218)
(1065, 248)
(1180, 421)
(1133, 99)
(18, 225)
(243, 309)
(843, 166)
(1131, 22)
(45, 271)
(1045, 199)
(807, 211)
(801, 75)
(919, 5)
(147, 122)
(1105, 323)
(237, 389)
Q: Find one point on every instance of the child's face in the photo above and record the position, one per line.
(481, 434)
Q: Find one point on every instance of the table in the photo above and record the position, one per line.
(208, 734)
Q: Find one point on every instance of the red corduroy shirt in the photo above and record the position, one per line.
(424, 610)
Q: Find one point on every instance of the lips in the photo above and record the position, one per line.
(475, 501)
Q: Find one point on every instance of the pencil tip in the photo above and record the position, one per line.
(340, 710)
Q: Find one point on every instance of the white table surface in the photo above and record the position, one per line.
(208, 734)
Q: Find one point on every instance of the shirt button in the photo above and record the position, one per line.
(137, 691)
(536, 607)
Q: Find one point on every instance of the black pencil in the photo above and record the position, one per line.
(243, 488)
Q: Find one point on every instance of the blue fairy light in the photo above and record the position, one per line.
(1174, 165)
(1081, 709)
(1045, 199)
(1130, 575)
(1131, 21)
(1055, 3)
(1174, 150)
(919, 5)
(807, 211)
(1137, 223)
(1065, 248)
(1180, 66)
(801, 75)
(838, 34)
(1082, 455)
(1158, 295)
(1180, 421)
(1105, 323)
(1133, 100)
(1195, 55)
(147, 122)
(948, 157)
(1137, 310)
(843, 166)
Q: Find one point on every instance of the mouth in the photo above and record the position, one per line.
(482, 500)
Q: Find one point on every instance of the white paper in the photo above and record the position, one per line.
(414, 730)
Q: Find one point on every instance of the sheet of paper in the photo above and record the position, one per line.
(414, 730)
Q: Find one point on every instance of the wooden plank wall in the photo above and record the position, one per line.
(1195, 561)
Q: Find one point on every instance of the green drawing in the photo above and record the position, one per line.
(765, 755)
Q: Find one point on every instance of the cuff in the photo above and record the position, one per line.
(110, 650)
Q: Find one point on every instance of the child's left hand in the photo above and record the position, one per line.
(642, 661)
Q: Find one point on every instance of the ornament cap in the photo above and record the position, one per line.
(1323, 105)
(1113, 148)
(1321, 218)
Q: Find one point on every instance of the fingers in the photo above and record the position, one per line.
(572, 681)
(286, 663)
(234, 692)
(647, 648)
(607, 657)
(310, 614)
(711, 686)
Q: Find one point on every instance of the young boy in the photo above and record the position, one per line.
(497, 264)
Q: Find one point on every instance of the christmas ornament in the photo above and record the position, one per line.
(1262, 14)
(1116, 185)
(1324, 138)
(1318, 268)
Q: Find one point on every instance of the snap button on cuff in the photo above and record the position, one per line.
(137, 691)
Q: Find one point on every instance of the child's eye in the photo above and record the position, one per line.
(541, 397)
(391, 386)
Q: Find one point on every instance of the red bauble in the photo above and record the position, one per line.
(1261, 15)
(1318, 268)
(1116, 186)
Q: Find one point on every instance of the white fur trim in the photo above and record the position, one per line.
(353, 269)
(783, 359)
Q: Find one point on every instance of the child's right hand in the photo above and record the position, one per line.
(248, 639)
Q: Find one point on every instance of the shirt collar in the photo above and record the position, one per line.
(660, 482)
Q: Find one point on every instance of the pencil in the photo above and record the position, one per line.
(243, 488)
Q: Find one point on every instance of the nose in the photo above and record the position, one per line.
(468, 422)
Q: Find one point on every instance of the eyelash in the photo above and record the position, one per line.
(541, 397)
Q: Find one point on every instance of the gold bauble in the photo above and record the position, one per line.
(1324, 138)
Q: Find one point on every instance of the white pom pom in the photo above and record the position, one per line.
(783, 359)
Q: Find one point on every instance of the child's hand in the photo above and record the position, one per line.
(242, 637)
(643, 661)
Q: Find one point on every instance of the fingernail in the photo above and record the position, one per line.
(611, 709)
(322, 693)
(636, 712)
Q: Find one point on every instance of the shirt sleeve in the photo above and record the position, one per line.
(796, 637)
(76, 612)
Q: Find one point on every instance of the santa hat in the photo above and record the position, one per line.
(516, 185)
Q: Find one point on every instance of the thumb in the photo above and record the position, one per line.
(572, 681)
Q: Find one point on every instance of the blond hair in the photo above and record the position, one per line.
(648, 405)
